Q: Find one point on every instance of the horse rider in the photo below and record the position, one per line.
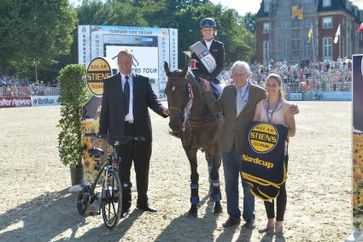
(207, 57)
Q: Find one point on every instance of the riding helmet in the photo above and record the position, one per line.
(208, 23)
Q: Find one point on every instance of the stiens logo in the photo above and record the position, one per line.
(263, 137)
(97, 71)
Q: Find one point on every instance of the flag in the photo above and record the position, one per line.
(360, 29)
(337, 35)
(297, 12)
(310, 34)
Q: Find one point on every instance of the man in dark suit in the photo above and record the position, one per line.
(125, 102)
(204, 69)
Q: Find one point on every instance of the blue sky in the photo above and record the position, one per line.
(241, 7)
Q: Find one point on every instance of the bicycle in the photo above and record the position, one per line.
(111, 190)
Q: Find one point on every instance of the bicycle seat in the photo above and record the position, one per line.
(95, 152)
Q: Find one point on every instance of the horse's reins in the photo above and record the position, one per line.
(187, 120)
(198, 124)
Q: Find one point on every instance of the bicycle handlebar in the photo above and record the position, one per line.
(124, 139)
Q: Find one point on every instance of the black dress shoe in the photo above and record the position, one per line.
(250, 224)
(231, 222)
(146, 208)
(124, 212)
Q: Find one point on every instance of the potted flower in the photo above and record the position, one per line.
(73, 94)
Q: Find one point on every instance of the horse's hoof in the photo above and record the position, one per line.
(193, 211)
(217, 208)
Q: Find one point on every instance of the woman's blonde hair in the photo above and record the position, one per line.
(276, 77)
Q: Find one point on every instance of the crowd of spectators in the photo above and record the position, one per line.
(317, 76)
(304, 77)
(11, 87)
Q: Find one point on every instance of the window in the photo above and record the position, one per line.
(266, 50)
(295, 23)
(285, 48)
(266, 6)
(327, 48)
(307, 23)
(307, 49)
(266, 27)
(295, 44)
(285, 24)
(295, 35)
(326, 3)
(327, 23)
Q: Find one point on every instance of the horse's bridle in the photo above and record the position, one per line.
(174, 108)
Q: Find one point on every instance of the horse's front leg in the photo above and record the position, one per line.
(214, 162)
(194, 177)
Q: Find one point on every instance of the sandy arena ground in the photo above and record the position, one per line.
(35, 204)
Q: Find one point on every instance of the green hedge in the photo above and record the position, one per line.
(73, 95)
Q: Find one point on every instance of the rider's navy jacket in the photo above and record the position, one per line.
(217, 51)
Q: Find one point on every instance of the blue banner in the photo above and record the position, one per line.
(295, 96)
(263, 160)
(337, 96)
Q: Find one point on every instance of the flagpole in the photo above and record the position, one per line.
(340, 46)
(312, 42)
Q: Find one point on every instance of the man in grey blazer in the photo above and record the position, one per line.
(237, 103)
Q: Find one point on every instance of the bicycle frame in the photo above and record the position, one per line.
(105, 168)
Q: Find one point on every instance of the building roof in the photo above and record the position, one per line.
(337, 5)
(261, 12)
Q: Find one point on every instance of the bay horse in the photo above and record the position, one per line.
(197, 127)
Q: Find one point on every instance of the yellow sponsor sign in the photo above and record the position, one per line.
(97, 71)
(263, 137)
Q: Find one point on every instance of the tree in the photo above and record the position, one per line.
(34, 33)
(110, 13)
(249, 22)
(184, 15)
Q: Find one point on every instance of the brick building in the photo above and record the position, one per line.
(306, 30)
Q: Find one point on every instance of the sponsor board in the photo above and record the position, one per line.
(295, 96)
(45, 100)
(15, 102)
(98, 70)
(336, 96)
(151, 47)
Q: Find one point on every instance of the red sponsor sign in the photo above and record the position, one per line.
(15, 102)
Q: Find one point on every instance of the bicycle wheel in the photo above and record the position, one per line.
(111, 203)
(83, 201)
